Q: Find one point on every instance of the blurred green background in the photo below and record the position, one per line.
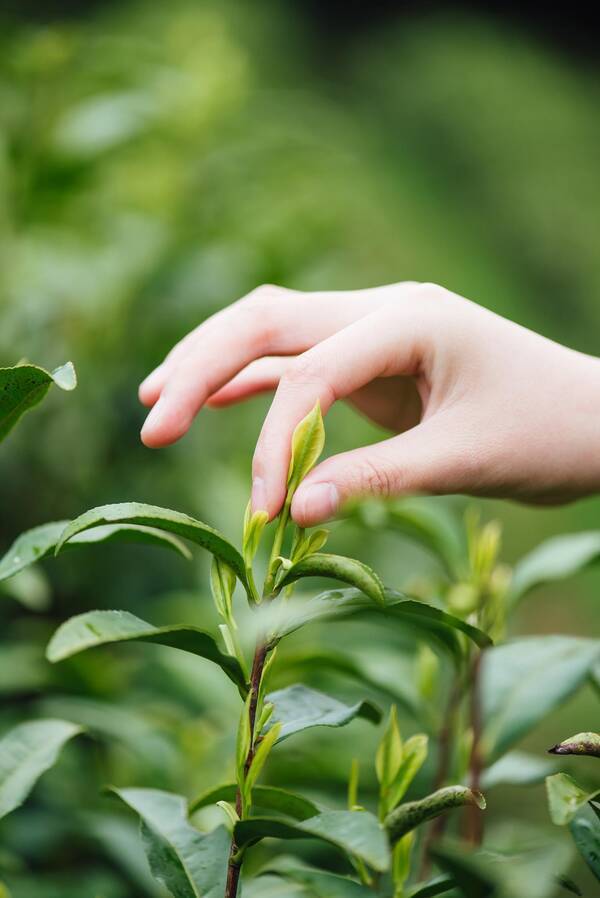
(158, 162)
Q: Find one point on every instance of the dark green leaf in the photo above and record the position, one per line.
(298, 708)
(337, 567)
(566, 798)
(467, 871)
(411, 814)
(26, 752)
(426, 621)
(268, 797)
(96, 628)
(160, 519)
(555, 559)
(22, 387)
(585, 829)
(188, 863)
(35, 544)
(437, 886)
(321, 884)
(526, 679)
(517, 768)
(358, 833)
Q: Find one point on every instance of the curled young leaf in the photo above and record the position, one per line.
(348, 570)
(95, 628)
(308, 441)
(222, 585)
(412, 813)
(160, 519)
(254, 525)
(388, 759)
(24, 386)
(579, 744)
(413, 757)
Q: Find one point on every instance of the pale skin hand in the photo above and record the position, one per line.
(477, 404)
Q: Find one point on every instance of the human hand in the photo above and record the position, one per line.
(478, 404)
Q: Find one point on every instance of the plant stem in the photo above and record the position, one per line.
(474, 817)
(277, 543)
(235, 861)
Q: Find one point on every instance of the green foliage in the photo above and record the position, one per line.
(24, 386)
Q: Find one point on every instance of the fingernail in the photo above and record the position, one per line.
(259, 495)
(153, 418)
(319, 501)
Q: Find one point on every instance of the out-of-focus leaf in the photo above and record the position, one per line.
(565, 798)
(527, 678)
(427, 622)
(555, 559)
(298, 708)
(439, 885)
(95, 628)
(35, 544)
(517, 768)
(348, 570)
(187, 862)
(120, 840)
(320, 883)
(26, 752)
(426, 522)
(23, 668)
(579, 744)
(160, 519)
(22, 387)
(357, 833)
(411, 814)
(585, 829)
(268, 797)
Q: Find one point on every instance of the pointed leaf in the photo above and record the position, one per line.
(517, 768)
(555, 559)
(579, 744)
(35, 544)
(22, 387)
(585, 830)
(161, 519)
(254, 525)
(389, 752)
(95, 628)
(222, 585)
(525, 679)
(268, 797)
(412, 813)
(413, 758)
(358, 833)
(260, 757)
(428, 623)
(348, 570)
(187, 862)
(308, 441)
(566, 798)
(26, 752)
(298, 708)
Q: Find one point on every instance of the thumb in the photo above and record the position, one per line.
(422, 460)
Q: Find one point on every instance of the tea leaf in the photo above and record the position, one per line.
(337, 567)
(222, 585)
(35, 544)
(95, 628)
(320, 883)
(412, 813)
(160, 519)
(357, 833)
(517, 768)
(426, 621)
(268, 797)
(24, 386)
(580, 744)
(308, 441)
(413, 758)
(26, 752)
(254, 525)
(299, 708)
(389, 753)
(243, 741)
(527, 678)
(260, 757)
(555, 559)
(585, 830)
(565, 798)
(188, 863)
(401, 856)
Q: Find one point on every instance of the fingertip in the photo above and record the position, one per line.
(150, 387)
(163, 426)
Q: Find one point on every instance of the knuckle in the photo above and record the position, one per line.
(306, 372)
(261, 309)
(377, 478)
